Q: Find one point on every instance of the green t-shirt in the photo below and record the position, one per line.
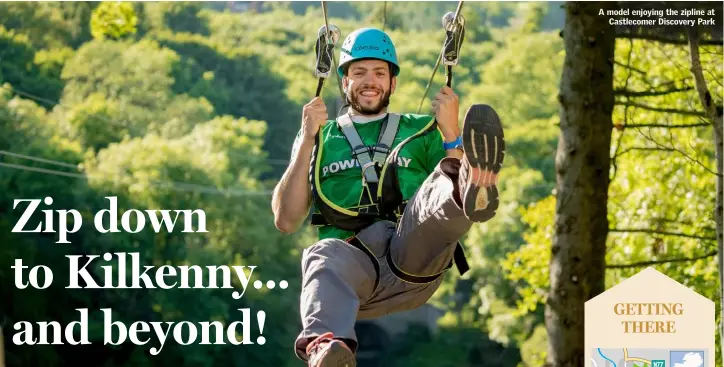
(340, 176)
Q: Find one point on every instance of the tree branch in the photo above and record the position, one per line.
(629, 67)
(676, 221)
(714, 78)
(688, 157)
(616, 154)
(666, 233)
(682, 126)
(649, 93)
(664, 261)
(645, 148)
(614, 164)
(659, 109)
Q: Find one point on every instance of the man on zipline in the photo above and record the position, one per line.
(362, 171)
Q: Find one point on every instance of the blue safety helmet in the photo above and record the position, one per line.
(368, 43)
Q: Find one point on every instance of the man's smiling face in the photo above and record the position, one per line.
(369, 85)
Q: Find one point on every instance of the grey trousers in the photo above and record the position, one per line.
(338, 279)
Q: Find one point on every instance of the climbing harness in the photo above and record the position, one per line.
(381, 195)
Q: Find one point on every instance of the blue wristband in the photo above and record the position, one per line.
(457, 143)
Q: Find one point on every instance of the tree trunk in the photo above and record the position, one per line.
(2, 348)
(577, 267)
(714, 114)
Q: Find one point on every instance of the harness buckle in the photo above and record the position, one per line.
(365, 210)
(382, 149)
(361, 150)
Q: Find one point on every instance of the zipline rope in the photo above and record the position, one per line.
(326, 21)
(320, 83)
(334, 59)
(437, 63)
(384, 16)
(172, 185)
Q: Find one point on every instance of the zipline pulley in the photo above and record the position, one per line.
(324, 48)
(455, 34)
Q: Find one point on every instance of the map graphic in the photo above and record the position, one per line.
(647, 357)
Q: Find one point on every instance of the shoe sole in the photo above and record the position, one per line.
(484, 146)
(338, 356)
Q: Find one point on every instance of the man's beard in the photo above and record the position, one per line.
(382, 104)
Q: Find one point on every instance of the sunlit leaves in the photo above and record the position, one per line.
(113, 20)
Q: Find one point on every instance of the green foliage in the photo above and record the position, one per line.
(422, 349)
(20, 65)
(76, 20)
(236, 82)
(17, 55)
(534, 350)
(114, 20)
(89, 122)
(50, 62)
(384, 16)
(138, 72)
(181, 17)
(137, 78)
(43, 26)
(535, 12)
(528, 266)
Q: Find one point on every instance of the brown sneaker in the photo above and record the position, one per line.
(325, 351)
(484, 148)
